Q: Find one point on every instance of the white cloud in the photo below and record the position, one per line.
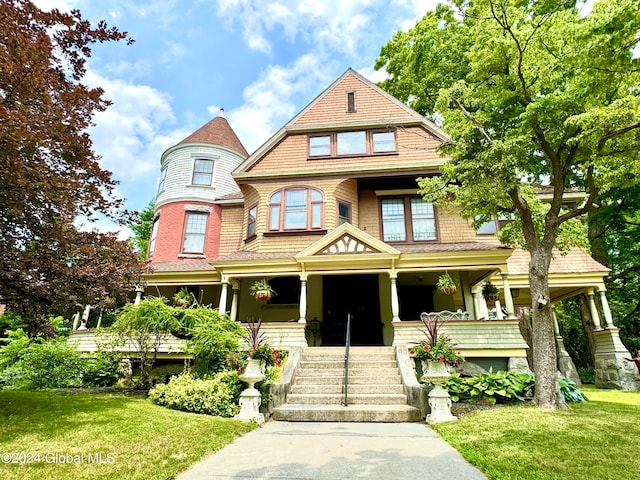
(336, 25)
(130, 135)
(271, 100)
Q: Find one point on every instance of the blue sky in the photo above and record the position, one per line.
(262, 61)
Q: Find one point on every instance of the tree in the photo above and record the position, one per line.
(50, 175)
(530, 92)
(141, 228)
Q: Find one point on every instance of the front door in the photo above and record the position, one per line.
(357, 295)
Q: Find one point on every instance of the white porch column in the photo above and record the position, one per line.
(222, 306)
(608, 318)
(499, 314)
(482, 311)
(594, 311)
(508, 299)
(395, 303)
(303, 301)
(234, 304)
(139, 292)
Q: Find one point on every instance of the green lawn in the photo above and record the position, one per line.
(134, 438)
(596, 440)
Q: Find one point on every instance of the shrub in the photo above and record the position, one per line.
(502, 387)
(212, 334)
(569, 391)
(213, 397)
(43, 364)
(492, 387)
(101, 370)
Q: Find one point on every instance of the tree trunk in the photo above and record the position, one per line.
(524, 322)
(587, 325)
(545, 358)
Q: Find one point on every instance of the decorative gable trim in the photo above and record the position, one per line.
(347, 240)
(347, 244)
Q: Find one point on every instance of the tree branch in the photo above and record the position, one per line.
(615, 133)
(473, 120)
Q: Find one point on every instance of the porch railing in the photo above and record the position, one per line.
(346, 360)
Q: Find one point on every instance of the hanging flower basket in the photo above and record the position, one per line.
(263, 295)
(261, 290)
(447, 285)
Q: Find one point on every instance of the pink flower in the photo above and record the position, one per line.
(412, 352)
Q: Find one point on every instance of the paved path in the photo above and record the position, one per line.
(336, 451)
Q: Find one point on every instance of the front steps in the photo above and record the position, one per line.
(375, 391)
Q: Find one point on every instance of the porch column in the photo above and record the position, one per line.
(139, 292)
(481, 306)
(608, 319)
(234, 304)
(508, 299)
(594, 311)
(395, 304)
(303, 301)
(222, 306)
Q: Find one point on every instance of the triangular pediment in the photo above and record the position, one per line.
(347, 240)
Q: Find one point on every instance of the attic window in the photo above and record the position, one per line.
(351, 102)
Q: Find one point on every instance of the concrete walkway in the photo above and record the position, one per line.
(336, 451)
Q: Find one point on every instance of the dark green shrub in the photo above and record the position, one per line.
(216, 396)
(44, 364)
(569, 391)
(101, 370)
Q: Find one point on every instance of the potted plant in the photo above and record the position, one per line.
(446, 284)
(184, 298)
(262, 290)
(490, 292)
(437, 355)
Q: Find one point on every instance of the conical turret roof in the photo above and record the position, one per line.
(217, 132)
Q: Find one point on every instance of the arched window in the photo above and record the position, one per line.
(296, 208)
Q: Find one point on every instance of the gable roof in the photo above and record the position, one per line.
(404, 116)
(217, 132)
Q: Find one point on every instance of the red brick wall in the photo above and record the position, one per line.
(168, 245)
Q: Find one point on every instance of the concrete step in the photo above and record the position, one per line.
(339, 388)
(360, 364)
(353, 380)
(353, 372)
(337, 353)
(355, 399)
(352, 413)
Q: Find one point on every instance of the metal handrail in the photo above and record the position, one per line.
(346, 361)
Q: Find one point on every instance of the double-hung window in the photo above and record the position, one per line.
(202, 172)
(154, 235)
(251, 221)
(195, 232)
(407, 219)
(297, 208)
(163, 178)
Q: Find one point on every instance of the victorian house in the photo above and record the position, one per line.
(328, 211)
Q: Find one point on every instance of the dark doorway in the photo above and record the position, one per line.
(359, 296)
(415, 299)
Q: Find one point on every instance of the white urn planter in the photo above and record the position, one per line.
(250, 398)
(439, 400)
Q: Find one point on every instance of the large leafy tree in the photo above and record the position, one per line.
(50, 174)
(141, 227)
(531, 92)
